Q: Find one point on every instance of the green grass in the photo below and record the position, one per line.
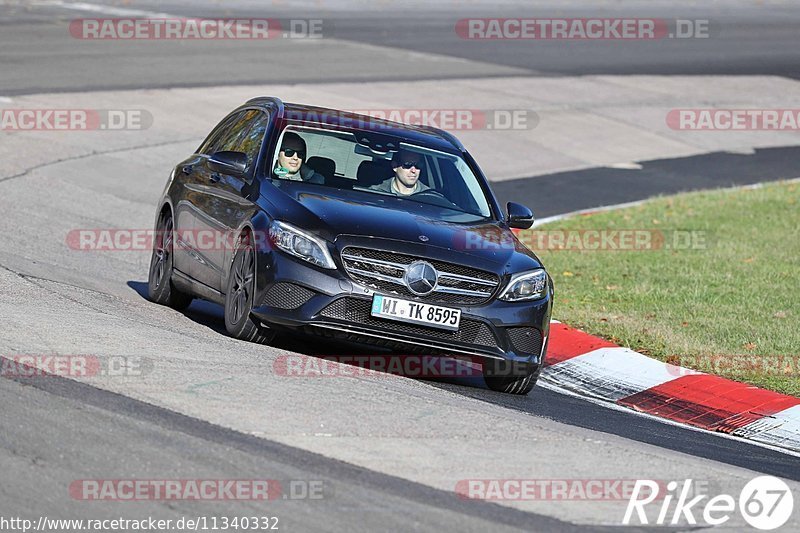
(729, 307)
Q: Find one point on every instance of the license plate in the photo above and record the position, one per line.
(416, 312)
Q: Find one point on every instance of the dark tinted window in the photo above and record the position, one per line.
(213, 140)
(236, 133)
(234, 136)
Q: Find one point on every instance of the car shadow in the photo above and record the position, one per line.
(211, 315)
(548, 404)
(200, 311)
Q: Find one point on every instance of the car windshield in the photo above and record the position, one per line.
(372, 163)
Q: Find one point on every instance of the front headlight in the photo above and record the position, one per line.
(298, 243)
(525, 286)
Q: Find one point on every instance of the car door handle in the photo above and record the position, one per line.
(188, 169)
(214, 178)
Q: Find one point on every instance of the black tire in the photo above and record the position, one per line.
(239, 297)
(159, 282)
(510, 377)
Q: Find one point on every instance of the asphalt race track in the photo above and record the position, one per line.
(387, 453)
(749, 38)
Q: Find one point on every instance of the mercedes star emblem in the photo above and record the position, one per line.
(421, 278)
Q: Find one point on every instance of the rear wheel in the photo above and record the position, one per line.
(159, 283)
(239, 297)
(509, 376)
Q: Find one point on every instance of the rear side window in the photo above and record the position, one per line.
(237, 133)
(339, 150)
(211, 143)
(234, 136)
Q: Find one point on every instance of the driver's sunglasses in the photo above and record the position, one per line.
(408, 164)
(288, 152)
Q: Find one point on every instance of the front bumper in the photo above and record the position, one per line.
(300, 296)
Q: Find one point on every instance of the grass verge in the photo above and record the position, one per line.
(707, 280)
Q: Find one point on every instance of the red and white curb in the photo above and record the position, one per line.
(592, 367)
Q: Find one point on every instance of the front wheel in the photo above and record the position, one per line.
(159, 283)
(239, 297)
(509, 376)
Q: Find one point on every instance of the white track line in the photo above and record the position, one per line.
(781, 427)
(613, 373)
(105, 10)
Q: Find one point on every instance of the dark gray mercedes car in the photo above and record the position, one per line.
(342, 225)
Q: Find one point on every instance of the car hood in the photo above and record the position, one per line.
(344, 220)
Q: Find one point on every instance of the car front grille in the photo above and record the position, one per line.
(384, 271)
(357, 311)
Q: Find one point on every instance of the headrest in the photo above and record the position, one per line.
(373, 172)
(323, 165)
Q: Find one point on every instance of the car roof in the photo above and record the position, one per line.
(345, 120)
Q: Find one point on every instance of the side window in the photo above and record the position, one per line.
(233, 137)
(209, 146)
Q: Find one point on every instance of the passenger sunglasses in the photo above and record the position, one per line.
(289, 152)
(408, 164)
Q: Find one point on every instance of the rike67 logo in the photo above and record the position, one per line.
(765, 503)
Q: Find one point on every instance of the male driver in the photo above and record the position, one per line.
(290, 161)
(407, 167)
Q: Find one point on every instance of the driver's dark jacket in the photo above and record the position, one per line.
(386, 186)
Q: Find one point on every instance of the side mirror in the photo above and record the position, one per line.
(230, 163)
(519, 216)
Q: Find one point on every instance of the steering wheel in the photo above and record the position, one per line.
(435, 194)
(431, 192)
